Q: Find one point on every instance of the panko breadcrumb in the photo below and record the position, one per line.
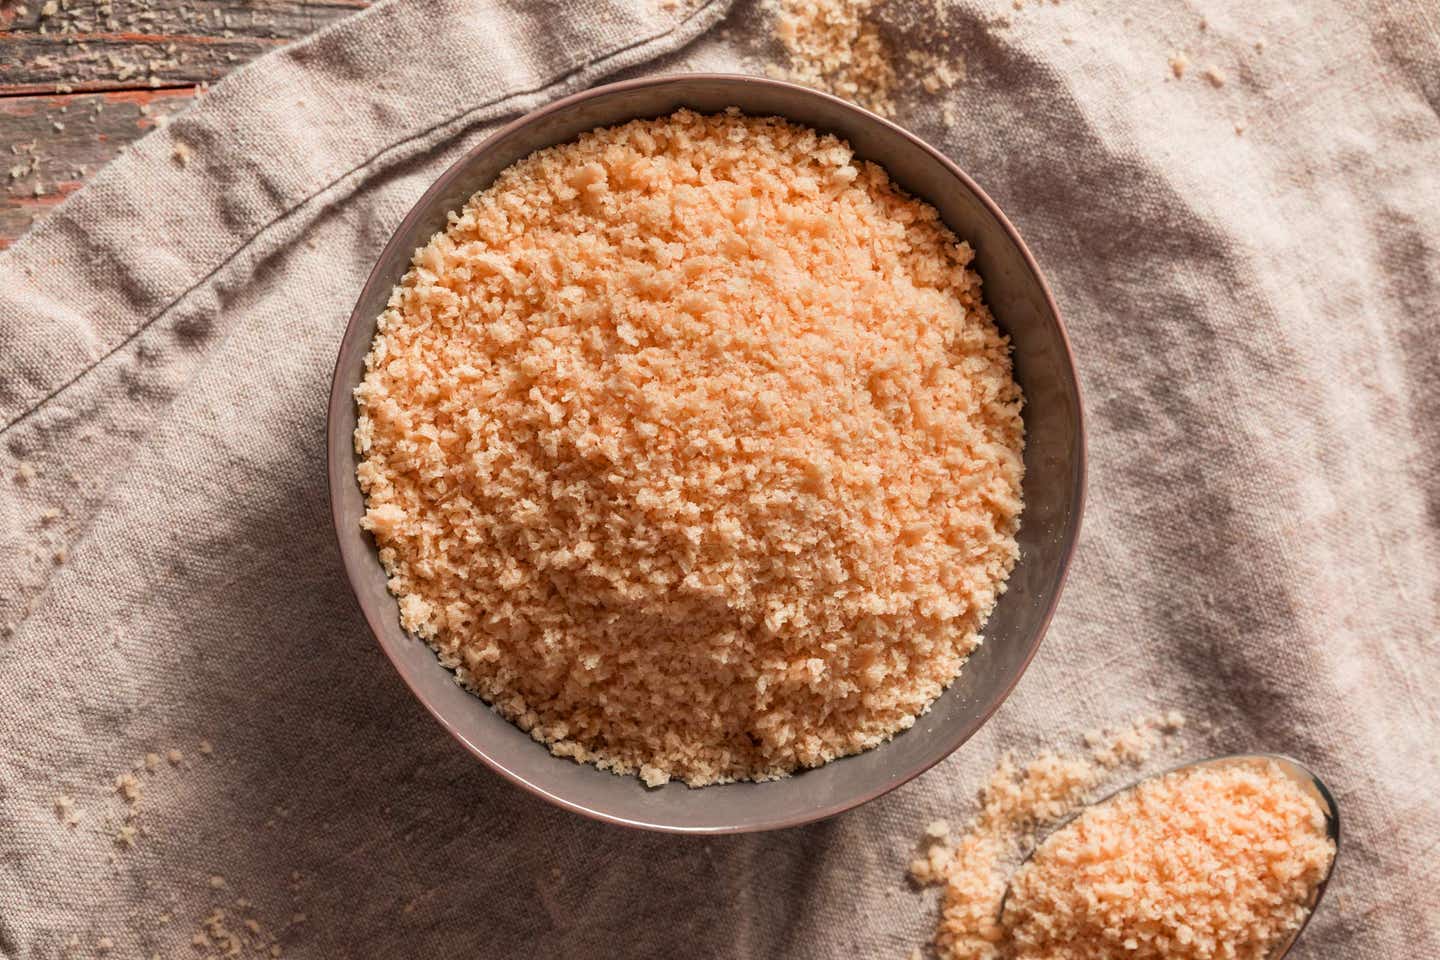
(1206, 862)
(691, 446)
(839, 46)
(1016, 802)
(836, 45)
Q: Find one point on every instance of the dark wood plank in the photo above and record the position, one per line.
(50, 145)
(248, 18)
(119, 61)
(129, 44)
(80, 79)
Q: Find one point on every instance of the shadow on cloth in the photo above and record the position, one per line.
(340, 798)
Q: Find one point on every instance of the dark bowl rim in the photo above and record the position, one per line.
(339, 473)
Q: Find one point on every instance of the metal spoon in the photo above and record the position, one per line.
(1294, 769)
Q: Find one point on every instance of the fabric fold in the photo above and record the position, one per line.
(275, 137)
(1247, 271)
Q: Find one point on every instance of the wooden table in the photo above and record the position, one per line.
(80, 79)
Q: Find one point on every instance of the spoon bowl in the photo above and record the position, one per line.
(1293, 769)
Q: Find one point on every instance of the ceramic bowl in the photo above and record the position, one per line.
(1054, 482)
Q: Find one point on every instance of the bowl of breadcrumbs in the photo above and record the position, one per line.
(706, 453)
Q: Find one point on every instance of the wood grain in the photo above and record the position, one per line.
(53, 144)
(93, 45)
(80, 79)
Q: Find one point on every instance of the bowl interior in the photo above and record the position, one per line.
(1053, 486)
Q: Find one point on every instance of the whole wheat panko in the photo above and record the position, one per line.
(692, 448)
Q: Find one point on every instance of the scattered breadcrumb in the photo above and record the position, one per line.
(1178, 63)
(125, 836)
(836, 46)
(181, 154)
(1014, 804)
(206, 748)
(128, 787)
(934, 73)
(692, 446)
(1215, 76)
(65, 810)
(174, 757)
(233, 933)
(1206, 862)
(104, 945)
(25, 472)
(216, 882)
(1132, 744)
(214, 933)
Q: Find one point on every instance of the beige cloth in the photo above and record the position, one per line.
(1255, 316)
